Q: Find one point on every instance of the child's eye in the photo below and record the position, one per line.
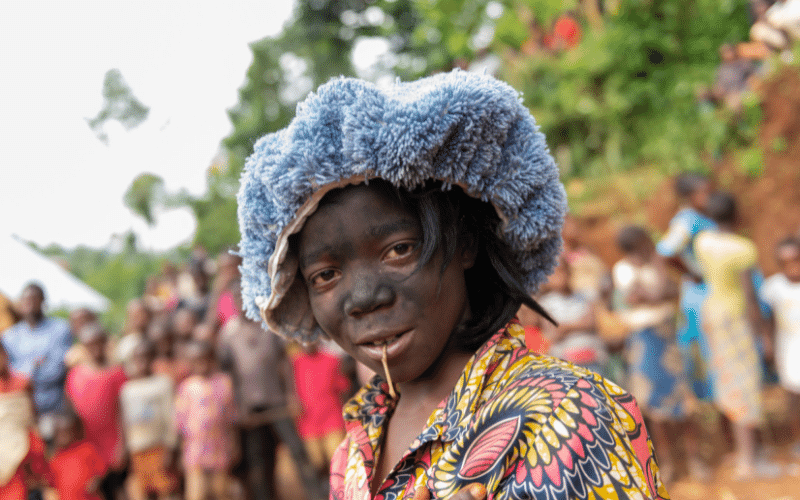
(401, 250)
(324, 277)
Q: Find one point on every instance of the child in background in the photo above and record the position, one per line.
(164, 360)
(408, 223)
(147, 419)
(782, 292)
(320, 386)
(731, 320)
(77, 466)
(22, 448)
(93, 388)
(205, 417)
(644, 298)
(136, 323)
(574, 339)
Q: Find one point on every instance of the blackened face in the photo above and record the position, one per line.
(359, 257)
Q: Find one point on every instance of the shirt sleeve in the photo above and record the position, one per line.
(675, 240)
(593, 445)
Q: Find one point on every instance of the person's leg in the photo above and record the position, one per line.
(794, 414)
(221, 485)
(316, 453)
(316, 488)
(260, 445)
(196, 484)
(331, 442)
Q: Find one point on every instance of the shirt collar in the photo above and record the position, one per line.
(372, 404)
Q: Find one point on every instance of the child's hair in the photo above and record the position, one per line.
(629, 238)
(450, 219)
(687, 183)
(722, 208)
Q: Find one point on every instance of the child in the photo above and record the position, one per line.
(574, 339)
(93, 388)
(205, 416)
(164, 360)
(677, 247)
(644, 299)
(408, 225)
(320, 386)
(22, 447)
(147, 412)
(77, 467)
(782, 292)
(731, 319)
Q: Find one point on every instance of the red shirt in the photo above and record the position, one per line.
(72, 469)
(320, 384)
(95, 396)
(15, 488)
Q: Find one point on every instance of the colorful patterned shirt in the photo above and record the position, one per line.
(521, 424)
(205, 415)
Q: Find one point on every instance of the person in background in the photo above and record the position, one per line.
(262, 374)
(781, 292)
(183, 323)
(731, 319)
(22, 447)
(644, 298)
(320, 386)
(165, 362)
(146, 401)
(223, 305)
(136, 323)
(574, 339)
(36, 347)
(587, 272)
(77, 468)
(93, 388)
(677, 247)
(206, 418)
(205, 332)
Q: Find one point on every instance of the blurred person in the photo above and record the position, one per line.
(136, 322)
(587, 270)
(677, 247)
(194, 288)
(183, 323)
(206, 418)
(734, 76)
(77, 468)
(205, 332)
(81, 317)
(574, 339)
(321, 387)
(36, 347)
(731, 318)
(785, 15)
(23, 449)
(93, 389)
(8, 316)
(781, 292)
(146, 401)
(764, 31)
(165, 362)
(222, 302)
(645, 300)
(264, 389)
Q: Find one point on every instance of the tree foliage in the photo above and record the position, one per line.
(119, 104)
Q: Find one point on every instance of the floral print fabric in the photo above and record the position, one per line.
(522, 424)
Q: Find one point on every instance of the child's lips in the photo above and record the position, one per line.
(395, 344)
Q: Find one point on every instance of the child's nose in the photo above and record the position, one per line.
(369, 293)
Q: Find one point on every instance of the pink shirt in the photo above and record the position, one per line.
(94, 393)
(320, 385)
(205, 414)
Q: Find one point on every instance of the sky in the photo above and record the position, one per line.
(185, 60)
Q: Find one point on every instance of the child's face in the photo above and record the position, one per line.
(96, 348)
(140, 363)
(789, 262)
(201, 362)
(66, 432)
(642, 254)
(359, 258)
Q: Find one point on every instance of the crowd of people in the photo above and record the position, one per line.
(713, 334)
(193, 398)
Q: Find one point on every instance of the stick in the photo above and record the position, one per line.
(388, 377)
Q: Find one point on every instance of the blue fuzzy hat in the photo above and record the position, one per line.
(461, 128)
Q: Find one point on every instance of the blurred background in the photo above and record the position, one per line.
(125, 126)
